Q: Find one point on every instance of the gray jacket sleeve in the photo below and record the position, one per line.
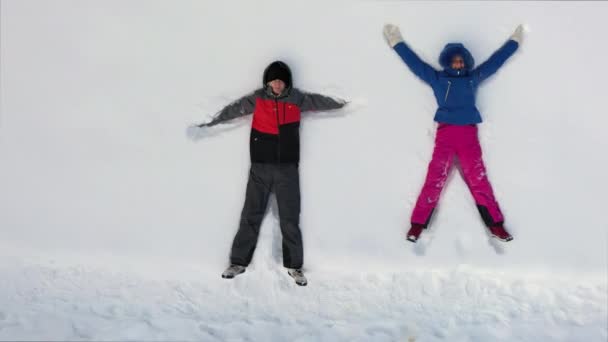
(241, 107)
(316, 102)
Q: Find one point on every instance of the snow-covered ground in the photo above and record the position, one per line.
(114, 226)
(48, 299)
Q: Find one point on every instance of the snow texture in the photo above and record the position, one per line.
(43, 300)
(115, 225)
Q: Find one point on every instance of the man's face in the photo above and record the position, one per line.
(457, 62)
(277, 86)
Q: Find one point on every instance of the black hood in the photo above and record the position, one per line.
(277, 70)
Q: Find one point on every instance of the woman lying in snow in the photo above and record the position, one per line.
(454, 88)
(275, 153)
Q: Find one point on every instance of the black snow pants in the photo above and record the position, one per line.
(284, 181)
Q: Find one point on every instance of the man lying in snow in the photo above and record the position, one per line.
(275, 153)
(454, 90)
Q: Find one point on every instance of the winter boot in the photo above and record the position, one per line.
(414, 233)
(298, 276)
(500, 233)
(232, 271)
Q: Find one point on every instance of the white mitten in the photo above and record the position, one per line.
(518, 35)
(392, 35)
(196, 132)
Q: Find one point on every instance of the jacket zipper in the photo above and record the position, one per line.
(447, 92)
(276, 108)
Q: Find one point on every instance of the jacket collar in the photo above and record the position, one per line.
(456, 73)
(268, 91)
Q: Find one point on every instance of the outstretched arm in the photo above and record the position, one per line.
(317, 102)
(241, 107)
(420, 68)
(498, 58)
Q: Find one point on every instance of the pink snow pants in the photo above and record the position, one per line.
(460, 141)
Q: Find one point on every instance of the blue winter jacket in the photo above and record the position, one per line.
(455, 89)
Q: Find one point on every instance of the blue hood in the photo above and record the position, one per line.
(452, 49)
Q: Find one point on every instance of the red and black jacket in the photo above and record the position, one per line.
(275, 131)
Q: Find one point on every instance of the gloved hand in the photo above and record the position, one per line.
(196, 132)
(518, 35)
(392, 35)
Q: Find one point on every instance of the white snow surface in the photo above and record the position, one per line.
(115, 226)
(62, 300)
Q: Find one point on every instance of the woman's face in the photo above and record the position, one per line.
(277, 86)
(457, 62)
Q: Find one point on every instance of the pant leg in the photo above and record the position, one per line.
(256, 200)
(287, 191)
(475, 175)
(437, 174)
